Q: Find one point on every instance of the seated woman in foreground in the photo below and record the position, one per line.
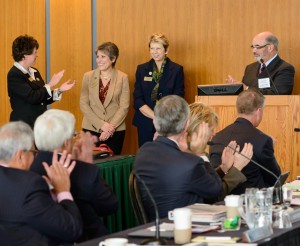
(203, 116)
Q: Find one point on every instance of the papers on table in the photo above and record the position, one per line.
(195, 228)
(295, 186)
(205, 212)
(220, 244)
(220, 240)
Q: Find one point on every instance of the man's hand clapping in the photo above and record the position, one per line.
(83, 147)
(58, 173)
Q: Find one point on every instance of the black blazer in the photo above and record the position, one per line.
(243, 131)
(174, 178)
(29, 216)
(171, 83)
(28, 98)
(281, 73)
(91, 193)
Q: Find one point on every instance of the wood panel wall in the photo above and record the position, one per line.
(71, 48)
(19, 17)
(210, 38)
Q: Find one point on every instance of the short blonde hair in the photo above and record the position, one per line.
(200, 112)
(159, 38)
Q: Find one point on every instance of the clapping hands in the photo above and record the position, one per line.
(56, 78)
(69, 84)
(58, 173)
(83, 147)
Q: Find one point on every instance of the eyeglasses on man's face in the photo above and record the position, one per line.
(258, 47)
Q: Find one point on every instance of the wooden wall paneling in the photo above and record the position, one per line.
(71, 48)
(19, 18)
(295, 137)
(211, 39)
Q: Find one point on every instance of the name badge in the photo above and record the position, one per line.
(264, 83)
(147, 78)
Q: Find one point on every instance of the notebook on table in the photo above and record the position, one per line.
(204, 212)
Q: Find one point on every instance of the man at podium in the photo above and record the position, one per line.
(270, 74)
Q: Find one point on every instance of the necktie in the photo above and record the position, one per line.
(261, 70)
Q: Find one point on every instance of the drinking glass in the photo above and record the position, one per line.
(287, 195)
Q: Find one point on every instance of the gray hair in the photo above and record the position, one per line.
(170, 115)
(14, 136)
(52, 128)
(272, 39)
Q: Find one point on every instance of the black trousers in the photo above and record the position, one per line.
(145, 135)
(115, 142)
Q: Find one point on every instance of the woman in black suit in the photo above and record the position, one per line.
(29, 95)
(154, 80)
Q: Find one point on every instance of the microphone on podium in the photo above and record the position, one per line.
(297, 129)
(265, 67)
(156, 240)
(277, 184)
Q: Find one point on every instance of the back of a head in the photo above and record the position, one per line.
(52, 128)
(170, 115)
(200, 112)
(14, 136)
(249, 101)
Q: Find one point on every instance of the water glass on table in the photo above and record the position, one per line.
(287, 195)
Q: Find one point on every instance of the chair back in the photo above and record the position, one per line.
(136, 201)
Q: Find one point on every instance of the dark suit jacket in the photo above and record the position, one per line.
(263, 152)
(174, 178)
(281, 73)
(29, 216)
(171, 83)
(28, 99)
(92, 195)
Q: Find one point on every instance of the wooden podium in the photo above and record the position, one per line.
(281, 116)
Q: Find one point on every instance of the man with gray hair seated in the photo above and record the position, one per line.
(54, 130)
(28, 214)
(174, 178)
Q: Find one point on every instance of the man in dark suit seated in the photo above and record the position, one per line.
(250, 106)
(174, 178)
(54, 130)
(277, 78)
(28, 213)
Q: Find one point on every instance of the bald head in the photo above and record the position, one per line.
(265, 46)
(269, 38)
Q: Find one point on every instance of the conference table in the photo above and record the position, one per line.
(115, 170)
(280, 237)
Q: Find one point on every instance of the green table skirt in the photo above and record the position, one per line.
(115, 171)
